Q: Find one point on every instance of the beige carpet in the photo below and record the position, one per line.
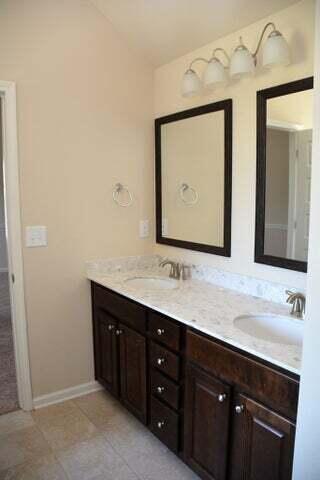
(8, 383)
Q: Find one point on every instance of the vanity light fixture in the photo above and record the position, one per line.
(242, 63)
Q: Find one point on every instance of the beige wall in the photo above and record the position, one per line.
(85, 122)
(192, 152)
(297, 24)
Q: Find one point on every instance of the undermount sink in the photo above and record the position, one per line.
(153, 283)
(273, 328)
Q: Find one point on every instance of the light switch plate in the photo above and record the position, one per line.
(144, 228)
(36, 236)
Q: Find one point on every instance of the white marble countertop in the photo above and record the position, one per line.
(208, 308)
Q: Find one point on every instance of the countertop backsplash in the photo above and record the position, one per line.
(274, 292)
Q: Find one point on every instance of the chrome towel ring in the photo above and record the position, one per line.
(184, 187)
(115, 195)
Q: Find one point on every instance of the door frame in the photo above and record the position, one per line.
(14, 242)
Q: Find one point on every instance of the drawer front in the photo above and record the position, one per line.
(164, 423)
(164, 389)
(164, 331)
(165, 361)
(276, 389)
(128, 312)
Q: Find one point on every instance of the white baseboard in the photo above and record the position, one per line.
(67, 394)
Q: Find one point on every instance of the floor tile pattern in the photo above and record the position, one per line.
(90, 438)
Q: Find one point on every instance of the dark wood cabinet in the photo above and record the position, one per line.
(133, 374)
(262, 447)
(106, 357)
(207, 416)
(227, 414)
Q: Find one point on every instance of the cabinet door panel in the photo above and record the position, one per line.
(106, 360)
(263, 443)
(206, 424)
(133, 372)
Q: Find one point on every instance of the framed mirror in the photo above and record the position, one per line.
(284, 152)
(193, 152)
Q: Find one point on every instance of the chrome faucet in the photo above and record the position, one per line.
(298, 302)
(177, 270)
(174, 270)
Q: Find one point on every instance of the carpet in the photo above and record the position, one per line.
(8, 381)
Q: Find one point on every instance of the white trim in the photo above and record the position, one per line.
(3, 270)
(13, 225)
(287, 126)
(276, 226)
(67, 394)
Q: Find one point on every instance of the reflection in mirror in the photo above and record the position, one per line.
(288, 149)
(192, 161)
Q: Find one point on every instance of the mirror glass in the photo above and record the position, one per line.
(284, 136)
(288, 175)
(193, 181)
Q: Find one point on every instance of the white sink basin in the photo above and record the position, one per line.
(153, 283)
(273, 328)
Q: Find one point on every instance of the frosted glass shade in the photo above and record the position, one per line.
(191, 84)
(214, 73)
(275, 51)
(242, 62)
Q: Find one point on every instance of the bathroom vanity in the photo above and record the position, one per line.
(227, 413)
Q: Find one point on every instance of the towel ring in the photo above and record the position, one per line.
(183, 189)
(115, 194)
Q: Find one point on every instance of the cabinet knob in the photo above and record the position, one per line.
(160, 331)
(160, 389)
(119, 332)
(160, 424)
(110, 327)
(160, 361)
(222, 397)
(239, 408)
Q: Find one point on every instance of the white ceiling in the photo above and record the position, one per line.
(166, 29)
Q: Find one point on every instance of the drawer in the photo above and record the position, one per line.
(164, 423)
(165, 361)
(125, 310)
(165, 389)
(274, 388)
(165, 331)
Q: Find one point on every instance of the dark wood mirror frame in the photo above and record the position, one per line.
(262, 98)
(226, 106)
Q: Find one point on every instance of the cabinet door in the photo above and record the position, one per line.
(207, 411)
(263, 443)
(106, 358)
(133, 373)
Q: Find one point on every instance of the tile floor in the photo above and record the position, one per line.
(92, 437)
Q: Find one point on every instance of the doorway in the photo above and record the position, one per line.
(8, 379)
(13, 281)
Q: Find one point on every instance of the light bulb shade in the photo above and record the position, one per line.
(214, 73)
(241, 63)
(276, 50)
(191, 83)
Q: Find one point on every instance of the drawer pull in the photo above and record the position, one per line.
(160, 424)
(160, 361)
(222, 397)
(160, 390)
(239, 409)
(160, 331)
(119, 332)
(110, 327)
